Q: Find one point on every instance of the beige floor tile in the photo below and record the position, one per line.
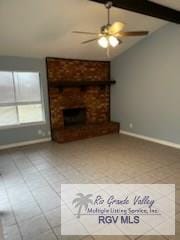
(76, 238)
(178, 196)
(72, 227)
(6, 215)
(151, 238)
(12, 233)
(54, 217)
(1, 232)
(26, 210)
(32, 228)
(57, 231)
(178, 217)
(111, 238)
(33, 175)
(46, 198)
(45, 236)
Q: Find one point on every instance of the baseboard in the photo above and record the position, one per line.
(20, 144)
(155, 140)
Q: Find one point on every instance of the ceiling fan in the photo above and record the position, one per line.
(110, 34)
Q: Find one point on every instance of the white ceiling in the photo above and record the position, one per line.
(175, 4)
(39, 28)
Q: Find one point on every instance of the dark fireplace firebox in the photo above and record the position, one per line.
(74, 116)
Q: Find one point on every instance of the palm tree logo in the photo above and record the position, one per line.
(82, 201)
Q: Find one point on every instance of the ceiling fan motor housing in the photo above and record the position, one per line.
(105, 29)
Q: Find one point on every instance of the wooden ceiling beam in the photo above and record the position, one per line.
(147, 8)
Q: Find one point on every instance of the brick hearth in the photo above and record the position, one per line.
(95, 99)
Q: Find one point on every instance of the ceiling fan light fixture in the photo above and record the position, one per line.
(113, 41)
(103, 42)
(110, 34)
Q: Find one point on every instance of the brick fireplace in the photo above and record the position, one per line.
(79, 96)
(74, 116)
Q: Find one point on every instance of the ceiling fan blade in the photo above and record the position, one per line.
(90, 40)
(133, 33)
(88, 33)
(116, 27)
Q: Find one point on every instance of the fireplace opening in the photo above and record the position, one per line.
(74, 116)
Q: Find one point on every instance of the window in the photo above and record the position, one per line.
(20, 98)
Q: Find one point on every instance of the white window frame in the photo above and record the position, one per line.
(17, 103)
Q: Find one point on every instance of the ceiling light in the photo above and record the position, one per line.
(113, 41)
(103, 42)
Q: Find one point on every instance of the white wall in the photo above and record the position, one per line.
(147, 92)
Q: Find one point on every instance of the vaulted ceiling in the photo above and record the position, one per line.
(39, 28)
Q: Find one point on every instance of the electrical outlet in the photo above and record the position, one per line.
(131, 125)
(40, 132)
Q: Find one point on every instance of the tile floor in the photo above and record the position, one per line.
(31, 177)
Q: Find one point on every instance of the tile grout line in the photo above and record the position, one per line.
(35, 200)
(107, 176)
(12, 209)
(54, 191)
(156, 167)
(57, 194)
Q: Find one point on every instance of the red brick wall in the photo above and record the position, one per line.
(95, 99)
(68, 69)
